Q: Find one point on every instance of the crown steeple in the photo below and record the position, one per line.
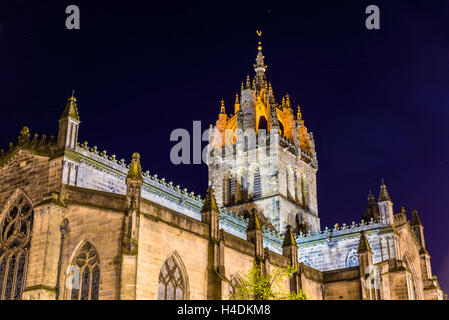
(260, 67)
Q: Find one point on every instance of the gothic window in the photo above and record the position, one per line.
(305, 193)
(298, 189)
(290, 181)
(87, 275)
(263, 124)
(172, 285)
(257, 186)
(231, 190)
(352, 259)
(246, 143)
(244, 187)
(15, 242)
(226, 190)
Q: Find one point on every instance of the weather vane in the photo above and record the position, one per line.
(259, 33)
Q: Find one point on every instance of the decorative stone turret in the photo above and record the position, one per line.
(210, 213)
(385, 206)
(68, 125)
(417, 227)
(134, 181)
(289, 246)
(215, 268)
(254, 233)
(372, 209)
(369, 283)
(290, 250)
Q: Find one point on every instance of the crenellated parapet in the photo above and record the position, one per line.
(338, 231)
(39, 145)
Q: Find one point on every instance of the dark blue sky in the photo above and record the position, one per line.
(377, 101)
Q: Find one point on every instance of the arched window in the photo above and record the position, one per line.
(298, 188)
(15, 242)
(172, 283)
(226, 190)
(352, 259)
(87, 274)
(290, 181)
(231, 185)
(305, 193)
(263, 124)
(244, 190)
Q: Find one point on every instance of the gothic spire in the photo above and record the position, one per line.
(222, 108)
(71, 110)
(248, 82)
(384, 195)
(237, 103)
(289, 239)
(287, 101)
(254, 223)
(209, 203)
(299, 114)
(260, 66)
(371, 210)
(415, 218)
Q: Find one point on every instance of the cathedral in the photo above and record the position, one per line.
(79, 224)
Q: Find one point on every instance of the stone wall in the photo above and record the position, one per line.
(35, 175)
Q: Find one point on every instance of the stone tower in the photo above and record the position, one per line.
(68, 125)
(263, 157)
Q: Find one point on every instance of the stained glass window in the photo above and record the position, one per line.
(15, 242)
(87, 286)
(171, 282)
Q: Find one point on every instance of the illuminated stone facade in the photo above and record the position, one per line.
(77, 223)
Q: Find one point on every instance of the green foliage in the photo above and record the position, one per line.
(256, 286)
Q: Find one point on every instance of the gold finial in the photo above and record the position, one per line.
(237, 103)
(287, 101)
(222, 109)
(248, 82)
(259, 33)
(299, 115)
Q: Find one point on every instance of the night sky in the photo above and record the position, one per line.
(377, 101)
